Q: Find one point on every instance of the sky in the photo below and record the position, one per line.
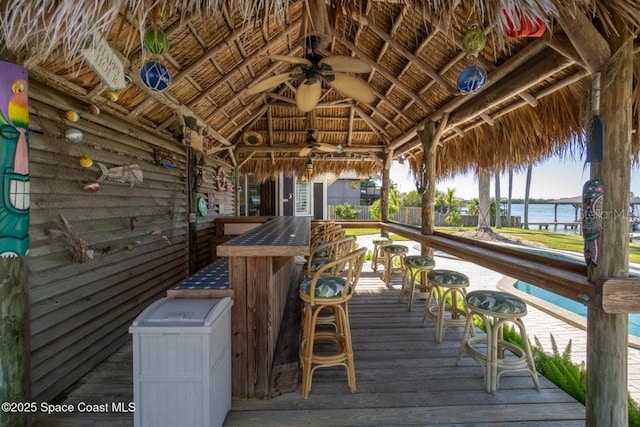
(552, 179)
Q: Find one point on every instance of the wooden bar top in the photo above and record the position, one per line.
(281, 236)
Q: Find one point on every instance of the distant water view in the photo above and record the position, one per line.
(544, 213)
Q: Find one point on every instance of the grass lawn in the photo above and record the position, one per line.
(564, 242)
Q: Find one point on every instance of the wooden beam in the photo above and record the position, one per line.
(561, 43)
(249, 156)
(530, 73)
(350, 135)
(621, 296)
(277, 41)
(382, 134)
(415, 61)
(429, 140)
(589, 43)
(270, 125)
(292, 148)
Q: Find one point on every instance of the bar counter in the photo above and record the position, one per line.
(261, 264)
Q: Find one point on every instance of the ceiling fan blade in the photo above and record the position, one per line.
(346, 64)
(308, 95)
(327, 148)
(353, 87)
(305, 151)
(268, 83)
(291, 60)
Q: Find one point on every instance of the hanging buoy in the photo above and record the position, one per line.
(73, 135)
(86, 161)
(527, 28)
(113, 96)
(473, 42)
(93, 109)
(155, 75)
(156, 42)
(471, 79)
(72, 116)
(91, 187)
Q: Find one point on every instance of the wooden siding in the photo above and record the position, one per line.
(80, 312)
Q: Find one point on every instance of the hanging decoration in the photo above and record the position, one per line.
(252, 138)
(73, 135)
(91, 187)
(128, 174)
(163, 158)
(473, 42)
(86, 161)
(72, 116)
(155, 76)
(592, 203)
(203, 206)
(93, 109)
(524, 28)
(471, 79)
(156, 42)
(422, 183)
(112, 96)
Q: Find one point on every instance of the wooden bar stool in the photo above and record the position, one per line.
(414, 265)
(332, 292)
(447, 289)
(390, 252)
(494, 353)
(377, 256)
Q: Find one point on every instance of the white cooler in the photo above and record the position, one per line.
(182, 363)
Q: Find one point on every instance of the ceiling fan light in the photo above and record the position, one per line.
(339, 149)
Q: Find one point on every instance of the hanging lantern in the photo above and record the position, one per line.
(156, 42)
(309, 167)
(473, 42)
(471, 79)
(526, 27)
(155, 76)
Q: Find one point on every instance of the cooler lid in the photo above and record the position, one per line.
(168, 312)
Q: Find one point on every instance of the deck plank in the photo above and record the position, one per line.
(403, 378)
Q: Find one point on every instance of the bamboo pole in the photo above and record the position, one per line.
(384, 191)
(606, 400)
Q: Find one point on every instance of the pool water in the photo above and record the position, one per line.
(571, 305)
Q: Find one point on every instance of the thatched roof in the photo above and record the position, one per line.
(535, 103)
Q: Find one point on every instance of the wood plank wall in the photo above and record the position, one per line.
(80, 312)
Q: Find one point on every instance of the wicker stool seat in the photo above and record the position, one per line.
(494, 353)
(413, 265)
(448, 289)
(390, 252)
(329, 291)
(377, 256)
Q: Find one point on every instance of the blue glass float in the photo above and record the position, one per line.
(155, 75)
(472, 79)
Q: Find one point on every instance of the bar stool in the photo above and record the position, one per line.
(377, 257)
(390, 252)
(447, 288)
(333, 292)
(494, 353)
(413, 265)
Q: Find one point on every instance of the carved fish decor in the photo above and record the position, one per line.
(128, 174)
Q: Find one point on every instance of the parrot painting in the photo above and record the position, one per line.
(15, 184)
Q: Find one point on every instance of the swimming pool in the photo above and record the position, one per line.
(571, 305)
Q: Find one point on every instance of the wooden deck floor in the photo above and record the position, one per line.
(403, 378)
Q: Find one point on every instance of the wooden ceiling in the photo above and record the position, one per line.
(415, 57)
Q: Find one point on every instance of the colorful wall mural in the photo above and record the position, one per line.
(14, 160)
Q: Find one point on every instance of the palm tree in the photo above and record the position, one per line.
(498, 210)
(527, 189)
(484, 196)
(449, 199)
(510, 193)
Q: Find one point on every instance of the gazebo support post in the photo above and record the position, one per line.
(484, 199)
(384, 191)
(607, 337)
(429, 144)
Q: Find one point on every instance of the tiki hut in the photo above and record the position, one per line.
(147, 120)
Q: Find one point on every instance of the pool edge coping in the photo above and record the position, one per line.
(507, 283)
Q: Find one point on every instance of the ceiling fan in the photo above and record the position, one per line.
(315, 69)
(312, 143)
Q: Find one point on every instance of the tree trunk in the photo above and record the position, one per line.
(607, 337)
(384, 191)
(527, 190)
(498, 213)
(429, 196)
(484, 199)
(510, 224)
